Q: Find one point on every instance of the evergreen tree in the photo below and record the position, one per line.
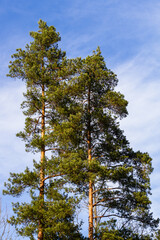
(113, 230)
(51, 210)
(96, 156)
(157, 237)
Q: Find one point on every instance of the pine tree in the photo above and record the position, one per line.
(96, 155)
(51, 210)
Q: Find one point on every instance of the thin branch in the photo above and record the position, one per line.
(84, 101)
(4, 226)
(56, 149)
(36, 124)
(98, 202)
(118, 188)
(125, 223)
(111, 215)
(108, 199)
(115, 215)
(98, 156)
(105, 212)
(54, 175)
(37, 108)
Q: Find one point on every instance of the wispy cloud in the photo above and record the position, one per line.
(140, 84)
(139, 81)
(128, 33)
(12, 153)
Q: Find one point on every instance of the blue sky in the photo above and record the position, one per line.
(128, 33)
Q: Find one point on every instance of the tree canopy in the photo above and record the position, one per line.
(51, 210)
(115, 178)
(72, 109)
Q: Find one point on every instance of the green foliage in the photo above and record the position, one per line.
(43, 66)
(157, 235)
(109, 230)
(72, 109)
(57, 213)
(120, 175)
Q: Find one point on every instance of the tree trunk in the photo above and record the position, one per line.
(95, 212)
(90, 210)
(90, 235)
(41, 194)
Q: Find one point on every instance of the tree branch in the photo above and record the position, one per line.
(118, 188)
(108, 199)
(56, 149)
(111, 215)
(54, 175)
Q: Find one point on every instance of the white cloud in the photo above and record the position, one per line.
(88, 24)
(12, 153)
(139, 81)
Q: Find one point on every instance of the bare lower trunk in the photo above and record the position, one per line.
(90, 201)
(95, 213)
(90, 210)
(41, 193)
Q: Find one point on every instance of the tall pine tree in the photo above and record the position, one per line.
(96, 156)
(51, 210)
